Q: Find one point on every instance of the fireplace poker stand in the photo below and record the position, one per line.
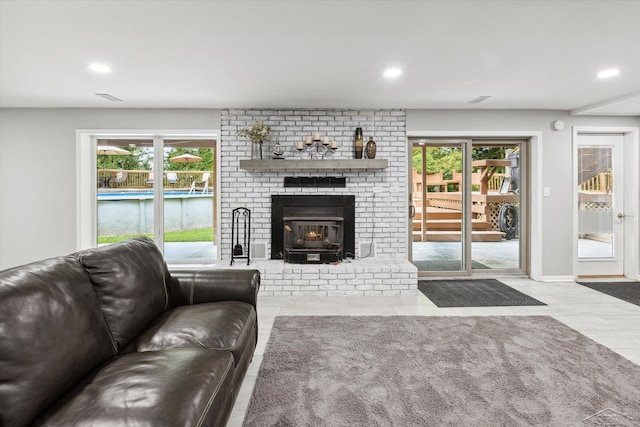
(240, 234)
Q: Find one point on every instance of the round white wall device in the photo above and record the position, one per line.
(557, 125)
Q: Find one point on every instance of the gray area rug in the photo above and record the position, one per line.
(626, 291)
(473, 293)
(431, 371)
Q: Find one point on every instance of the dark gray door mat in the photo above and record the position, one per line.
(626, 291)
(445, 265)
(473, 293)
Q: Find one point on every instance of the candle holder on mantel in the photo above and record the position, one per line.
(316, 147)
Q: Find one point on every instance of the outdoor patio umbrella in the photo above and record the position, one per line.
(110, 150)
(186, 158)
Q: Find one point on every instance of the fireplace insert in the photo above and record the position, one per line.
(312, 229)
(313, 239)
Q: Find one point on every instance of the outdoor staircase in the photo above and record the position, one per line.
(593, 161)
(445, 226)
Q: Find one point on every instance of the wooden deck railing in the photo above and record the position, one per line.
(436, 180)
(601, 183)
(117, 178)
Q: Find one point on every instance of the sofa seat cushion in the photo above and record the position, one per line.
(176, 387)
(225, 325)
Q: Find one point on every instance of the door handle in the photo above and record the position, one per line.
(412, 211)
(621, 215)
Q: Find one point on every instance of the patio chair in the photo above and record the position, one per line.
(121, 178)
(204, 180)
(172, 178)
(150, 179)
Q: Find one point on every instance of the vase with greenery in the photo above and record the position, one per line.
(258, 133)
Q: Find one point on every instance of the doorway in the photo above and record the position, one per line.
(468, 205)
(600, 205)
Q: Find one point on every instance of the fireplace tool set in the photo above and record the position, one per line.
(241, 234)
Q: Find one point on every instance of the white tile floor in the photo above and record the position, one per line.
(607, 320)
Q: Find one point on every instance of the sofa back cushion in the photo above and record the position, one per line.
(130, 280)
(52, 334)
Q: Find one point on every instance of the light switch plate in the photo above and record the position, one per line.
(546, 191)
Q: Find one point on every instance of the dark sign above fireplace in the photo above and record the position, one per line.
(320, 210)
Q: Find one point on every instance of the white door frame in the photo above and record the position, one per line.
(535, 185)
(631, 194)
(86, 186)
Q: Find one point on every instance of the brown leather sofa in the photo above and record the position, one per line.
(109, 337)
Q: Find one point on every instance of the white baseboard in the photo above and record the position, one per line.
(557, 279)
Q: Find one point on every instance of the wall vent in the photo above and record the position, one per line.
(315, 182)
(479, 99)
(109, 97)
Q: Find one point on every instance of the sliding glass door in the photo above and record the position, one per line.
(125, 204)
(189, 200)
(496, 204)
(438, 206)
(163, 188)
(467, 205)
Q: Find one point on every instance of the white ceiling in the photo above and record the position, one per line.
(525, 54)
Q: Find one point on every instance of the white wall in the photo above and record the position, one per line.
(557, 213)
(37, 171)
(37, 168)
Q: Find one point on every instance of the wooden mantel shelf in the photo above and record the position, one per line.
(298, 165)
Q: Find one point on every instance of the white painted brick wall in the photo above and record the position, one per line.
(381, 195)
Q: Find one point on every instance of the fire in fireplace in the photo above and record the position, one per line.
(312, 229)
(313, 239)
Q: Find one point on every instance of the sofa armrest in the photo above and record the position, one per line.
(197, 285)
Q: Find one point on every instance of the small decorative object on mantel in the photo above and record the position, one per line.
(371, 148)
(257, 134)
(316, 146)
(277, 152)
(358, 143)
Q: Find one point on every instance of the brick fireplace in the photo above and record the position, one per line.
(380, 230)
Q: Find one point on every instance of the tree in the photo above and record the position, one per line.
(488, 152)
(446, 159)
(449, 159)
(137, 160)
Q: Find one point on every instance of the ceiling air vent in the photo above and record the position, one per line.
(109, 97)
(479, 99)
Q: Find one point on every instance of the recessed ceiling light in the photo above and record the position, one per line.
(392, 72)
(611, 72)
(97, 67)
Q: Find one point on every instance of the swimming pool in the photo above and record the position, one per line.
(131, 212)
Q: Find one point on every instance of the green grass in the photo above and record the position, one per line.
(195, 235)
